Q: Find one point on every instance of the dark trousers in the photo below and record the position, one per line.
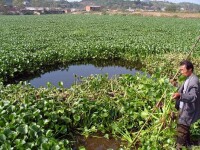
(183, 136)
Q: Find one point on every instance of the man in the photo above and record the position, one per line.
(188, 103)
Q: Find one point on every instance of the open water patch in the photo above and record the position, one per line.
(67, 73)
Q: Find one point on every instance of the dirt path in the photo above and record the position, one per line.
(145, 13)
(165, 14)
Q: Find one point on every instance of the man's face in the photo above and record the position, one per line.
(184, 71)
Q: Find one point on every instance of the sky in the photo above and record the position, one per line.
(191, 1)
(175, 1)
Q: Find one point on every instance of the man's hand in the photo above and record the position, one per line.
(176, 96)
(174, 82)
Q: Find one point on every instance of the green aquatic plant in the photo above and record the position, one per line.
(50, 118)
(116, 106)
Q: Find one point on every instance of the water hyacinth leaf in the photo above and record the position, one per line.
(66, 142)
(2, 137)
(60, 84)
(23, 129)
(63, 129)
(49, 133)
(82, 148)
(42, 140)
(46, 121)
(33, 134)
(2, 123)
(161, 80)
(66, 119)
(5, 146)
(34, 128)
(106, 136)
(105, 115)
(60, 111)
(14, 135)
(56, 147)
(144, 114)
(12, 116)
(7, 132)
(93, 129)
(141, 122)
(76, 117)
(45, 146)
(49, 84)
(20, 142)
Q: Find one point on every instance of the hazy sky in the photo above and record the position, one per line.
(176, 1)
(191, 1)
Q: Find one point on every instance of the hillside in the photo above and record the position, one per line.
(107, 4)
(121, 4)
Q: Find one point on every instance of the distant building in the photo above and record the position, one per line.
(54, 11)
(93, 8)
(10, 10)
(163, 9)
(130, 9)
(74, 10)
(35, 8)
(182, 9)
(68, 11)
(32, 10)
(42, 10)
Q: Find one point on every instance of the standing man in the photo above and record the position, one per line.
(187, 103)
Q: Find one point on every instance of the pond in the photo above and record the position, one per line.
(85, 69)
(66, 72)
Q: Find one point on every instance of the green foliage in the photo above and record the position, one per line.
(18, 3)
(171, 8)
(49, 118)
(43, 118)
(28, 47)
(2, 2)
(26, 125)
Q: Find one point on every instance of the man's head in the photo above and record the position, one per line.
(186, 68)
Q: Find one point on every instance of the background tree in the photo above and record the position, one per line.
(37, 3)
(2, 2)
(171, 8)
(18, 3)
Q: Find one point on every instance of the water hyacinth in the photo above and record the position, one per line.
(30, 47)
(53, 115)
(51, 118)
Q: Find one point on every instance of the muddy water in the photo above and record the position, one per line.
(97, 143)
